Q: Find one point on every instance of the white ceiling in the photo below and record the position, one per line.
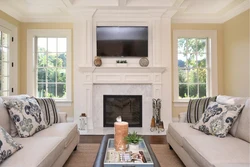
(205, 11)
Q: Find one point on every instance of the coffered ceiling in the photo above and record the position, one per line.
(205, 11)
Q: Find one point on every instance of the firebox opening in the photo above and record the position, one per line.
(129, 107)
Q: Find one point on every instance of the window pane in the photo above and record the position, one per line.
(61, 60)
(201, 45)
(202, 90)
(5, 93)
(41, 90)
(191, 45)
(5, 56)
(182, 60)
(51, 74)
(52, 44)
(61, 75)
(191, 60)
(5, 39)
(182, 76)
(183, 90)
(52, 60)
(0, 38)
(62, 44)
(41, 60)
(61, 90)
(5, 83)
(181, 45)
(51, 90)
(193, 90)
(202, 62)
(41, 75)
(192, 76)
(202, 75)
(4, 69)
(41, 44)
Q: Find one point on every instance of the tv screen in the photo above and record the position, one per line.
(122, 41)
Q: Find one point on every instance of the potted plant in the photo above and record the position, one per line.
(133, 141)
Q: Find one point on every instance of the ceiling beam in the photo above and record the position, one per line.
(68, 3)
(122, 3)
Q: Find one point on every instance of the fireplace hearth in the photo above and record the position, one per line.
(129, 107)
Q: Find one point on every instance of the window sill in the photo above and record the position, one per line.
(180, 103)
(64, 102)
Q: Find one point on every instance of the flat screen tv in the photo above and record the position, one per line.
(122, 41)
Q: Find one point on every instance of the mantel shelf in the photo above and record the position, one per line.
(122, 69)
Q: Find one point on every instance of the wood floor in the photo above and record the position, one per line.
(153, 139)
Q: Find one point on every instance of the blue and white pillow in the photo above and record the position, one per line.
(7, 145)
(218, 119)
(27, 116)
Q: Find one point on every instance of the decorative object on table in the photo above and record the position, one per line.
(121, 63)
(144, 62)
(83, 122)
(97, 61)
(158, 125)
(133, 141)
(121, 131)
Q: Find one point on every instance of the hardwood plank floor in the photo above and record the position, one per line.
(153, 139)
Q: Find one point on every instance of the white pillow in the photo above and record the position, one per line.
(218, 119)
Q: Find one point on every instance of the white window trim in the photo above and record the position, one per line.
(13, 56)
(31, 75)
(212, 60)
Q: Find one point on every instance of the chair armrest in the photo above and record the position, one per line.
(62, 117)
(183, 117)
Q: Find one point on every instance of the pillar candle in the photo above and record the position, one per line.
(121, 131)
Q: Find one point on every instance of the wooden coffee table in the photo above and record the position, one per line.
(107, 143)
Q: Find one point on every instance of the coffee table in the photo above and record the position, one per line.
(106, 143)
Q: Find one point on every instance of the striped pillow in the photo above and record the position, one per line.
(196, 108)
(48, 106)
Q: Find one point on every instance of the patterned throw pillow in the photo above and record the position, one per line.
(48, 107)
(196, 108)
(218, 119)
(27, 116)
(7, 145)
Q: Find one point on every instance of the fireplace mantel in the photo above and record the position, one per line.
(127, 69)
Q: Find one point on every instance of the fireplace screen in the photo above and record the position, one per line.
(129, 107)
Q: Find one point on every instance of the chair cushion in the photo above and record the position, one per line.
(218, 119)
(243, 129)
(4, 117)
(196, 107)
(27, 116)
(222, 99)
(7, 145)
(180, 130)
(36, 152)
(212, 151)
(65, 130)
(48, 107)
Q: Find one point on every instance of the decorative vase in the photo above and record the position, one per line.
(133, 147)
(98, 61)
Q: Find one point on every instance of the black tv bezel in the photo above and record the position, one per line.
(121, 56)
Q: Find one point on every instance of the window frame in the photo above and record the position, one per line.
(212, 79)
(13, 58)
(31, 60)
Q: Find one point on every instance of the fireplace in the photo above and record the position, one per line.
(129, 107)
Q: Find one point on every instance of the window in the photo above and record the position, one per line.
(4, 62)
(8, 56)
(195, 64)
(51, 54)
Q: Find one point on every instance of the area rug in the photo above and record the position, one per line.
(85, 155)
